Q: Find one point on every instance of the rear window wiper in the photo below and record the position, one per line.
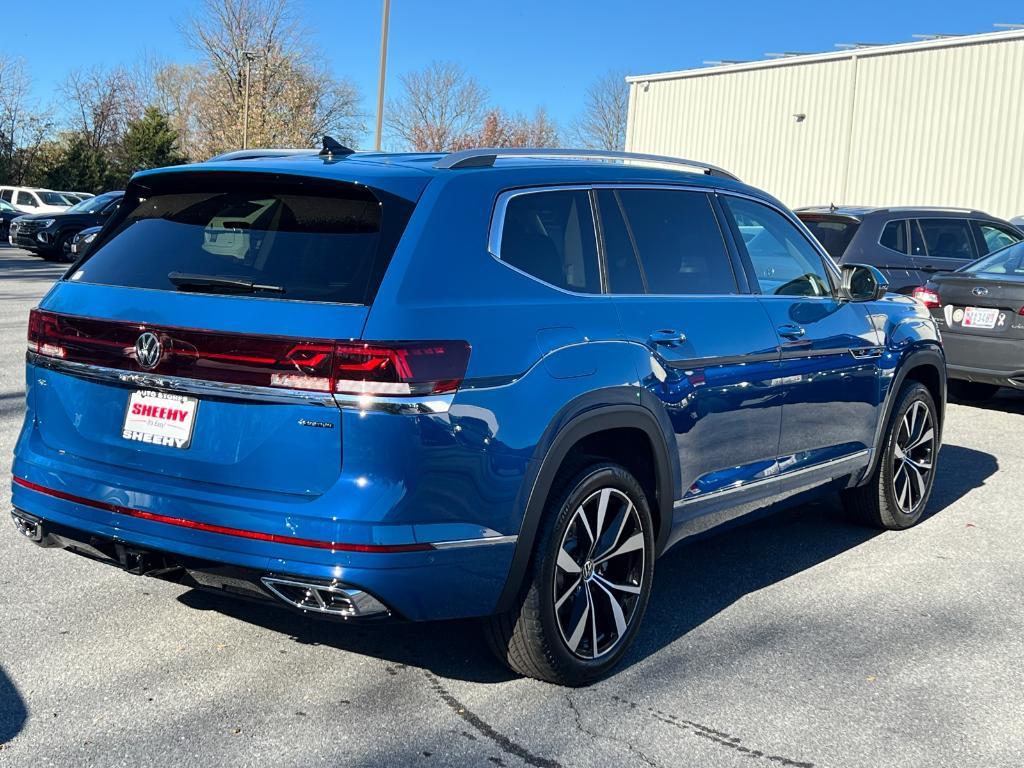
(218, 283)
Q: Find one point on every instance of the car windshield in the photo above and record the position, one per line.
(53, 198)
(94, 204)
(5, 206)
(1004, 262)
(833, 234)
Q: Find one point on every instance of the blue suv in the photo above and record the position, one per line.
(492, 383)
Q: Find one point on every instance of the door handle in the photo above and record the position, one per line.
(791, 331)
(667, 337)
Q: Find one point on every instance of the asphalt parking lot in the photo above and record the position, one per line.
(796, 640)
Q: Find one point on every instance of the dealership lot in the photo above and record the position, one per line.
(796, 640)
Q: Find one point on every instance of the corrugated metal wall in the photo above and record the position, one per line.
(937, 123)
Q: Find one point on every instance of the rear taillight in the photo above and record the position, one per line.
(43, 336)
(928, 297)
(345, 367)
(412, 368)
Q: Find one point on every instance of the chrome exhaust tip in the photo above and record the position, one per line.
(29, 526)
(330, 597)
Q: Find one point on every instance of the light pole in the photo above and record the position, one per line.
(383, 69)
(249, 56)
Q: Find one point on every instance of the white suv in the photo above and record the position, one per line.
(33, 200)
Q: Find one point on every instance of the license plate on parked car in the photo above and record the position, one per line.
(160, 418)
(980, 317)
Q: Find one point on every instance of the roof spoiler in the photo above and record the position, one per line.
(485, 158)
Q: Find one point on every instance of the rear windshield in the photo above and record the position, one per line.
(305, 244)
(833, 234)
(1008, 261)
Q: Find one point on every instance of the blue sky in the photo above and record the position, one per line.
(527, 53)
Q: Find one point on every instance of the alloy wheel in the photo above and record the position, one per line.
(913, 458)
(598, 573)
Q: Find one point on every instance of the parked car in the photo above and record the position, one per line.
(50, 235)
(7, 214)
(1017, 221)
(473, 384)
(980, 311)
(77, 197)
(81, 242)
(908, 244)
(32, 200)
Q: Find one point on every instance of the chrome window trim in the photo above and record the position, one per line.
(421, 405)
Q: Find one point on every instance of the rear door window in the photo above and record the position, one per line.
(784, 261)
(326, 243)
(550, 235)
(947, 239)
(26, 198)
(677, 239)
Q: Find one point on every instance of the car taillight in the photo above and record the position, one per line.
(405, 368)
(928, 297)
(43, 334)
(345, 367)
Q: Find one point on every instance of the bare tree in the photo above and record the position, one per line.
(101, 103)
(602, 125)
(441, 106)
(24, 127)
(292, 100)
(501, 129)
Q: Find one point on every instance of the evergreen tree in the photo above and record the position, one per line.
(149, 142)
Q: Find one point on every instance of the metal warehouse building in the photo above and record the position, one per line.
(937, 122)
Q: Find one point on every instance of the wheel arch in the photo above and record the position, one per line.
(926, 365)
(577, 433)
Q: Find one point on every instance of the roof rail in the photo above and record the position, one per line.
(251, 154)
(484, 158)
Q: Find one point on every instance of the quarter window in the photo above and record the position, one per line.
(947, 238)
(785, 263)
(7, 194)
(894, 236)
(676, 238)
(550, 235)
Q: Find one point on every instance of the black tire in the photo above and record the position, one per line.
(971, 391)
(898, 490)
(63, 251)
(531, 638)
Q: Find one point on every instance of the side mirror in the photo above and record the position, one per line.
(862, 282)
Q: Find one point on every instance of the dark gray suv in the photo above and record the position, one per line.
(908, 244)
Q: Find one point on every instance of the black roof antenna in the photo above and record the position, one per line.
(334, 147)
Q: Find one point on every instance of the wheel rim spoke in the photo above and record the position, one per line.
(633, 543)
(568, 593)
(913, 457)
(617, 614)
(566, 563)
(924, 438)
(631, 589)
(596, 596)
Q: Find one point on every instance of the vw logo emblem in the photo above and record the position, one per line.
(980, 291)
(148, 350)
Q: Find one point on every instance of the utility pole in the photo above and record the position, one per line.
(383, 69)
(249, 56)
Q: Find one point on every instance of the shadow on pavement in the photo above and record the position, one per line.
(12, 709)
(16, 264)
(1007, 400)
(693, 582)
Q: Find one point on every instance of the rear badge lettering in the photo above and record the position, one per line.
(317, 424)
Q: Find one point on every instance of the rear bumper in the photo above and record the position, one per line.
(984, 359)
(452, 580)
(297, 593)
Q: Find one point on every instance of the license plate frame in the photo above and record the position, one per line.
(160, 418)
(980, 317)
